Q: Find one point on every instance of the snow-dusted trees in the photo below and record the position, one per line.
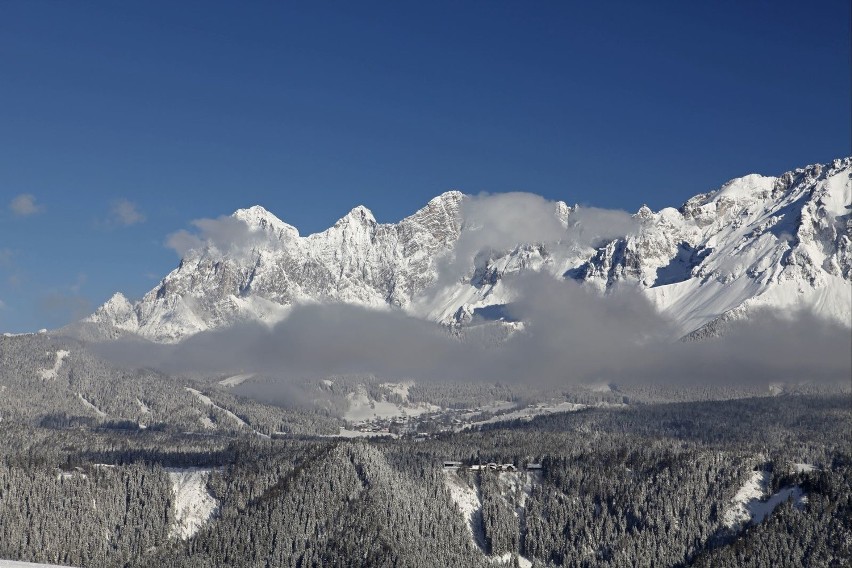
(95, 516)
(648, 484)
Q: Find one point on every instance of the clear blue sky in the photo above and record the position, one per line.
(125, 120)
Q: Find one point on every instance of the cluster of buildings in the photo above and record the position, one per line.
(492, 466)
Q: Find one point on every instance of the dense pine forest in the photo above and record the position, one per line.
(105, 467)
(646, 485)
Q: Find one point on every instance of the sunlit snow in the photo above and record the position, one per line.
(194, 505)
(50, 374)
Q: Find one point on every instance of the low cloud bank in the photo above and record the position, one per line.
(573, 336)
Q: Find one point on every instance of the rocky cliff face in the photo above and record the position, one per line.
(758, 241)
(356, 261)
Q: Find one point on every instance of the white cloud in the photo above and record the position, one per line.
(225, 236)
(504, 220)
(78, 283)
(592, 226)
(125, 213)
(24, 205)
(500, 222)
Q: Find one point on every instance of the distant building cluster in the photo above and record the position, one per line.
(491, 466)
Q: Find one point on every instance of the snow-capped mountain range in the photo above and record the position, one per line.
(758, 241)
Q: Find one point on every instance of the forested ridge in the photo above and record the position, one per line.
(644, 485)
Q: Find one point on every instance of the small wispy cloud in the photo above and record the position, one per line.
(9, 269)
(24, 205)
(124, 213)
(78, 283)
(2, 305)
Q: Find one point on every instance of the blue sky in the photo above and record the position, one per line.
(120, 122)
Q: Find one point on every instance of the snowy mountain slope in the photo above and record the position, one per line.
(778, 242)
(357, 261)
(758, 241)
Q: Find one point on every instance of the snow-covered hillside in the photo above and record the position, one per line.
(777, 242)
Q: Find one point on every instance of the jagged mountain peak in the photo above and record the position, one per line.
(258, 217)
(644, 213)
(117, 301)
(756, 241)
(452, 196)
(117, 308)
(446, 206)
(359, 215)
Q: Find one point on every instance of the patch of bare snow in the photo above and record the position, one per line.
(91, 406)
(507, 559)
(399, 388)
(346, 433)
(51, 374)
(236, 380)
(206, 400)
(762, 509)
(194, 505)
(752, 490)
(206, 423)
(363, 409)
(144, 409)
(76, 472)
(469, 503)
(529, 412)
(749, 505)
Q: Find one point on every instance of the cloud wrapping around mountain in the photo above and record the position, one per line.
(503, 221)
(573, 336)
(226, 235)
(593, 226)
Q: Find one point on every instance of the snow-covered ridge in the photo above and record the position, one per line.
(758, 241)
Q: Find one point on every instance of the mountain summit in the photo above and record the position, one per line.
(758, 241)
